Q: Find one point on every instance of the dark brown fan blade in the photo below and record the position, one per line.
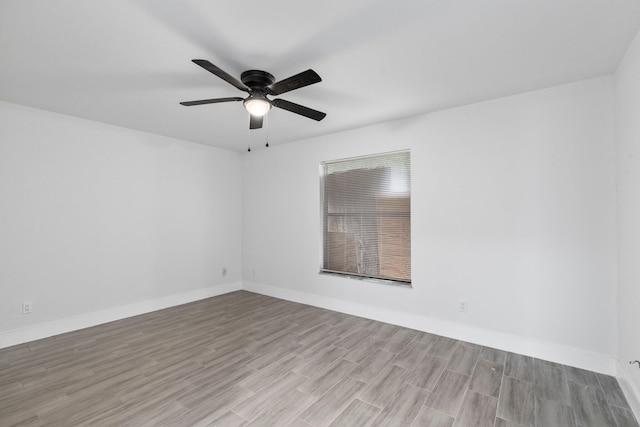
(221, 73)
(298, 109)
(302, 79)
(211, 101)
(255, 122)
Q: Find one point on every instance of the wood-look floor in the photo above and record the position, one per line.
(246, 359)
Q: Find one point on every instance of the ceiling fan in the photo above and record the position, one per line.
(258, 84)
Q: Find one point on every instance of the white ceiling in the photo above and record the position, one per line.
(128, 62)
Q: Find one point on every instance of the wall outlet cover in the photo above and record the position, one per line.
(463, 307)
(27, 307)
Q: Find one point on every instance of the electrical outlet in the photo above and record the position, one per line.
(27, 307)
(224, 271)
(463, 307)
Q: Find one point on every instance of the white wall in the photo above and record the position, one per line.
(628, 180)
(513, 210)
(94, 216)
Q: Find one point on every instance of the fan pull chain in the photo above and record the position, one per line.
(267, 126)
(249, 135)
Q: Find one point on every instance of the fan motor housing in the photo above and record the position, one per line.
(257, 79)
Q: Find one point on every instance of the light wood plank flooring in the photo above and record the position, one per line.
(246, 359)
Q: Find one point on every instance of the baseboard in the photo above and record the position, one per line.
(558, 353)
(631, 392)
(61, 326)
(543, 350)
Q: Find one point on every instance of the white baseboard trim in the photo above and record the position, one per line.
(631, 392)
(566, 355)
(543, 350)
(69, 324)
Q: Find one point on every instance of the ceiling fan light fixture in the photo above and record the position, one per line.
(258, 84)
(257, 106)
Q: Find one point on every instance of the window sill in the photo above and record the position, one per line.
(397, 283)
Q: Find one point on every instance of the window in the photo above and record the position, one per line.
(366, 217)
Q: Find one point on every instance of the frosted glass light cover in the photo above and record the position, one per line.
(257, 107)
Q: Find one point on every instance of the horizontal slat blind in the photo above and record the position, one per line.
(367, 216)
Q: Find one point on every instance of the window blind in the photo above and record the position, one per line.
(366, 217)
